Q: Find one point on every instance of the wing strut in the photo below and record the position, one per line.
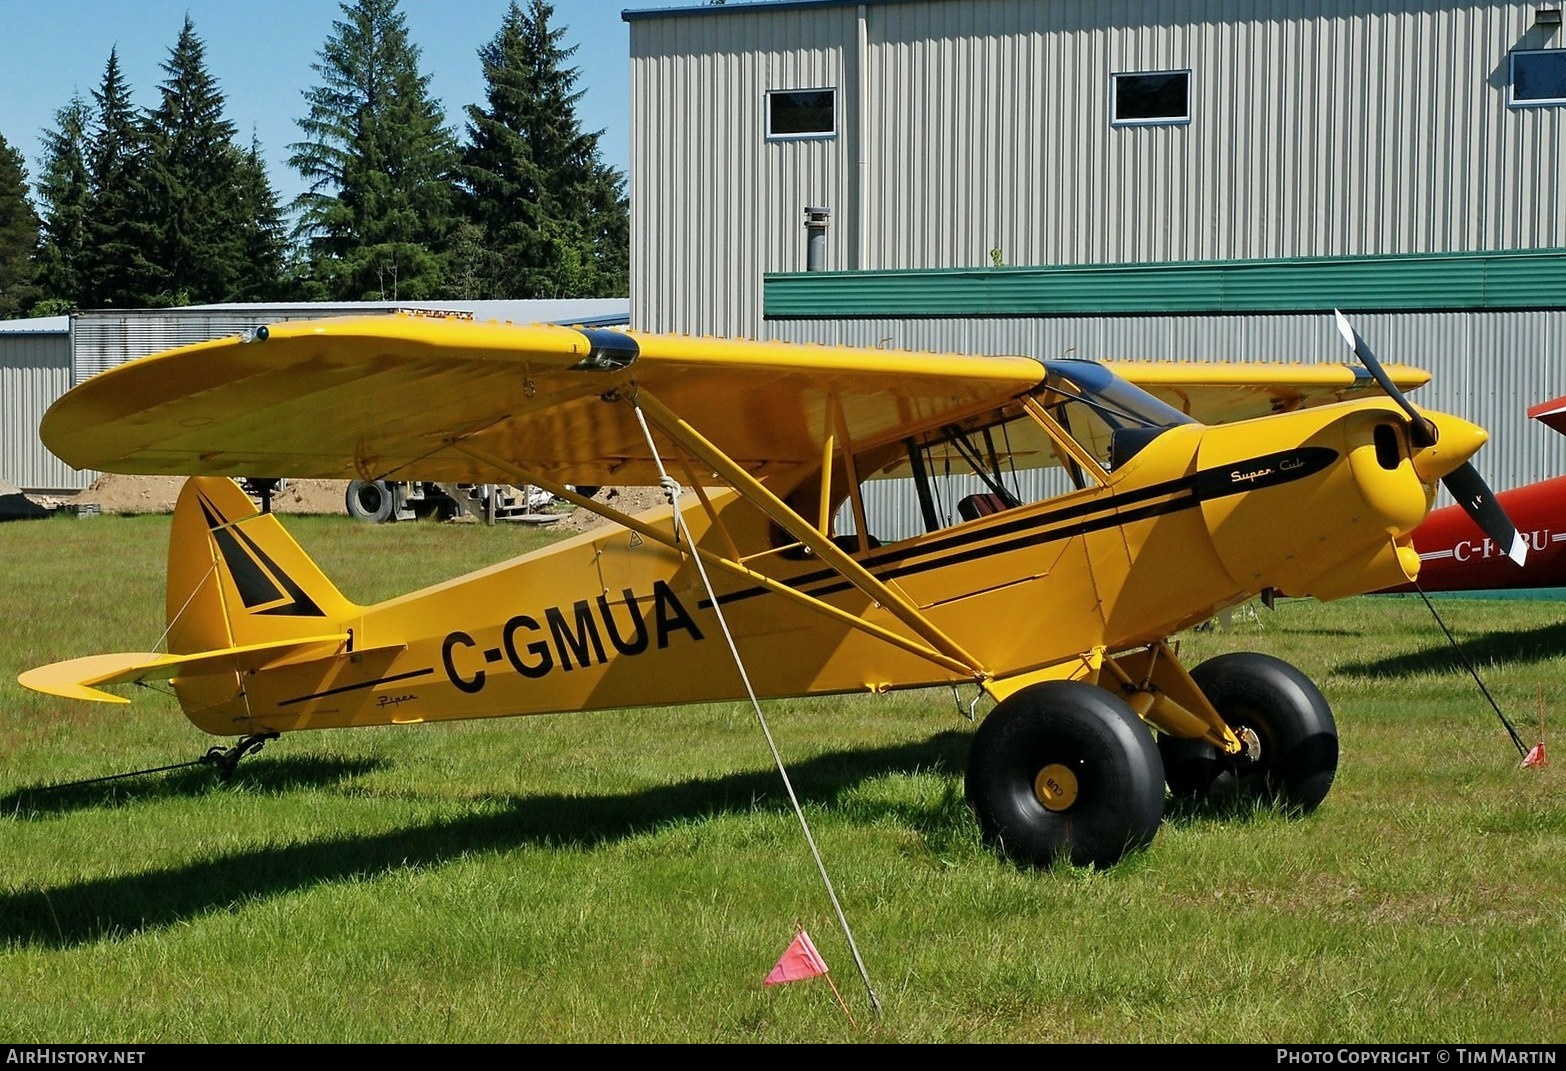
(850, 477)
(757, 493)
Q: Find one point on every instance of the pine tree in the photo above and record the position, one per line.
(196, 184)
(115, 271)
(556, 218)
(262, 232)
(472, 267)
(378, 214)
(65, 195)
(18, 236)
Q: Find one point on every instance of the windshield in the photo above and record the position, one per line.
(1120, 402)
(1111, 419)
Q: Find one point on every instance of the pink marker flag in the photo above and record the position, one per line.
(800, 961)
(1536, 756)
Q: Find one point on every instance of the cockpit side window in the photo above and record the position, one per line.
(1070, 433)
(984, 465)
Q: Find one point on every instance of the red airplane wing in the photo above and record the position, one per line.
(1551, 414)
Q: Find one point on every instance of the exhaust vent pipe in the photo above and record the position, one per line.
(815, 238)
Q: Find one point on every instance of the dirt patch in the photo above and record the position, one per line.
(113, 493)
(632, 500)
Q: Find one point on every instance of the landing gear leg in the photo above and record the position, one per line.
(226, 758)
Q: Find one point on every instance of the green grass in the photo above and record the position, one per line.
(632, 876)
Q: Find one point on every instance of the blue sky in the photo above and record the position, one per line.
(262, 52)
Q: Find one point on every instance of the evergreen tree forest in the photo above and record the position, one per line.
(166, 204)
(18, 237)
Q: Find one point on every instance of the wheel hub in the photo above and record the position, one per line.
(1250, 744)
(1055, 786)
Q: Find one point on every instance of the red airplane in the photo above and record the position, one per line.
(1454, 555)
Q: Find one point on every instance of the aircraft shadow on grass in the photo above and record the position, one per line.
(284, 774)
(91, 910)
(1520, 645)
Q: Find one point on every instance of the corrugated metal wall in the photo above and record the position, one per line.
(39, 363)
(1388, 282)
(35, 369)
(1486, 366)
(1320, 129)
(103, 338)
(714, 204)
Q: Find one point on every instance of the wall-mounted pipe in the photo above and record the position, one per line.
(815, 238)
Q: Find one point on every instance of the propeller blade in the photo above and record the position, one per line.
(1477, 500)
(1464, 482)
(1419, 427)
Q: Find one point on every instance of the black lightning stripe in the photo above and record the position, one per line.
(1171, 496)
(255, 574)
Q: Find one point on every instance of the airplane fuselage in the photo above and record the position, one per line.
(1456, 556)
(1205, 518)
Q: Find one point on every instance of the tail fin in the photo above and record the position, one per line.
(236, 578)
(242, 595)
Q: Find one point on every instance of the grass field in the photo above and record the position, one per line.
(632, 876)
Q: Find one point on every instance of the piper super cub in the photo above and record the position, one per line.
(1068, 518)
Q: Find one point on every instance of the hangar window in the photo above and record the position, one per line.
(1539, 78)
(801, 113)
(1149, 98)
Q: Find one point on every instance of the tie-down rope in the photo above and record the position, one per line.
(671, 487)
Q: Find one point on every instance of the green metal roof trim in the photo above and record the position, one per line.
(1496, 280)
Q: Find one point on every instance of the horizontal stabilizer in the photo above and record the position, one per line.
(82, 678)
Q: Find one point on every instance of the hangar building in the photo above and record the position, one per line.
(1140, 180)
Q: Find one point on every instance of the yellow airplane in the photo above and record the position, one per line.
(1072, 516)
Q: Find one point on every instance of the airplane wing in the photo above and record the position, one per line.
(1221, 393)
(433, 397)
(1551, 414)
(405, 396)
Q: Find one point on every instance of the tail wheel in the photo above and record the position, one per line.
(1290, 737)
(1065, 769)
(370, 500)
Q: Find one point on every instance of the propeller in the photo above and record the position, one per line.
(1464, 483)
